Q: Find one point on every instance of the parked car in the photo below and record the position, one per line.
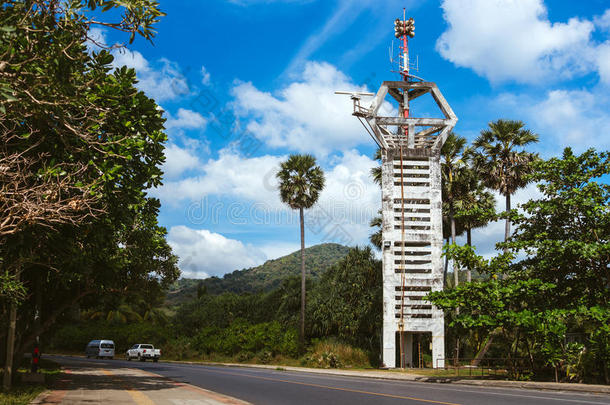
(100, 348)
(142, 352)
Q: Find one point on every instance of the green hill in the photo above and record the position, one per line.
(265, 277)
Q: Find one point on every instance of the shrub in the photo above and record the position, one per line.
(242, 337)
(332, 354)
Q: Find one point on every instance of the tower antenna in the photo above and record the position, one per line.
(412, 233)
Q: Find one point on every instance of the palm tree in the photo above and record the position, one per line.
(376, 171)
(118, 313)
(476, 207)
(505, 169)
(376, 237)
(453, 168)
(301, 182)
(500, 165)
(377, 222)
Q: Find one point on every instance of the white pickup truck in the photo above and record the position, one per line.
(143, 352)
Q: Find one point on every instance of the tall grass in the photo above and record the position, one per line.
(329, 353)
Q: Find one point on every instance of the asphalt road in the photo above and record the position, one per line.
(264, 386)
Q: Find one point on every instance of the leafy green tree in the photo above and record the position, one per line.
(76, 141)
(301, 182)
(566, 233)
(347, 301)
(560, 285)
(500, 163)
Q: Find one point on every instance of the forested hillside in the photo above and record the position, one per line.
(263, 278)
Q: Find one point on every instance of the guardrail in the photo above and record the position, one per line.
(495, 366)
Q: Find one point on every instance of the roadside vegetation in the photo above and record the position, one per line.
(22, 393)
(342, 313)
(82, 255)
(79, 147)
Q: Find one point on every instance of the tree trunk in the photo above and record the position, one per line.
(453, 232)
(469, 243)
(456, 281)
(507, 225)
(302, 334)
(446, 268)
(50, 320)
(483, 351)
(10, 347)
(556, 374)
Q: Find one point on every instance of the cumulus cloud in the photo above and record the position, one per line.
(603, 62)
(306, 115)
(349, 200)
(178, 160)
(576, 118)
(345, 207)
(161, 80)
(278, 249)
(514, 40)
(203, 253)
(186, 119)
(603, 21)
(229, 175)
(96, 38)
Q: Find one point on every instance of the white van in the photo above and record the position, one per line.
(100, 348)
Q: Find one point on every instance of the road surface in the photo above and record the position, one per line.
(270, 387)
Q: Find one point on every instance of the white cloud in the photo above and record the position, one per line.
(186, 119)
(97, 38)
(178, 160)
(279, 249)
(161, 82)
(205, 76)
(349, 200)
(603, 62)
(514, 40)
(347, 203)
(306, 115)
(203, 253)
(576, 118)
(603, 21)
(229, 175)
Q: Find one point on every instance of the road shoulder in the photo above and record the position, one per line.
(85, 385)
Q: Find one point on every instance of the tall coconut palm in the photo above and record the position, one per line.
(503, 165)
(300, 184)
(453, 168)
(501, 161)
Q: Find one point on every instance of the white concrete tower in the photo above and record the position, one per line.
(411, 205)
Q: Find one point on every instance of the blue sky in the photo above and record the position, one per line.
(244, 83)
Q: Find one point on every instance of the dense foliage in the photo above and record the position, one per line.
(79, 147)
(552, 305)
(260, 325)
